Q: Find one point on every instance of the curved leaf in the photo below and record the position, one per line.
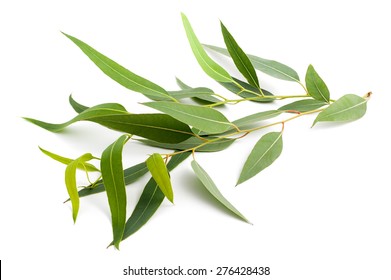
(113, 178)
(70, 182)
(81, 165)
(159, 173)
(150, 200)
(349, 107)
(120, 74)
(203, 98)
(131, 175)
(192, 142)
(240, 59)
(205, 119)
(191, 92)
(316, 87)
(270, 67)
(101, 111)
(157, 127)
(303, 105)
(213, 190)
(77, 106)
(264, 153)
(210, 67)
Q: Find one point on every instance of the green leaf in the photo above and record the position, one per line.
(316, 87)
(159, 173)
(203, 98)
(269, 67)
(131, 175)
(303, 105)
(81, 165)
(240, 59)
(120, 74)
(205, 119)
(210, 67)
(264, 153)
(191, 92)
(157, 127)
(349, 107)
(150, 200)
(257, 117)
(113, 178)
(100, 111)
(70, 182)
(213, 190)
(246, 91)
(77, 106)
(215, 146)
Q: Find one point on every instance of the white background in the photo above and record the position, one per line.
(322, 211)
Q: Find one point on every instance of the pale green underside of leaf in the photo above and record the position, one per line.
(316, 87)
(83, 166)
(269, 67)
(303, 106)
(264, 153)
(150, 200)
(159, 173)
(349, 107)
(209, 66)
(191, 92)
(193, 142)
(257, 117)
(120, 74)
(113, 178)
(242, 62)
(205, 119)
(203, 98)
(207, 181)
(70, 182)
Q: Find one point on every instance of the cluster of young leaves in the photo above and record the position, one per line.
(189, 128)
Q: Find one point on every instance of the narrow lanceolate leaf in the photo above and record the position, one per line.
(209, 66)
(240, 59)
(246, 90)
(264, 153)
(70, 182)
(120, 74)
(213, 190)
(150, 200)
(131, 175)
(257, 117)
(159, 173)
(191, 92)
(303, 105)
(205, 119)
(101, 111)
(203, 98)
(113, 179)
(81, 165)
(157, 127)
(270, 67)
(193, 142)
(349, 107)
(316, 87)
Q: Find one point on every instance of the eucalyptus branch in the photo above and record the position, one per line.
(187, 128)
